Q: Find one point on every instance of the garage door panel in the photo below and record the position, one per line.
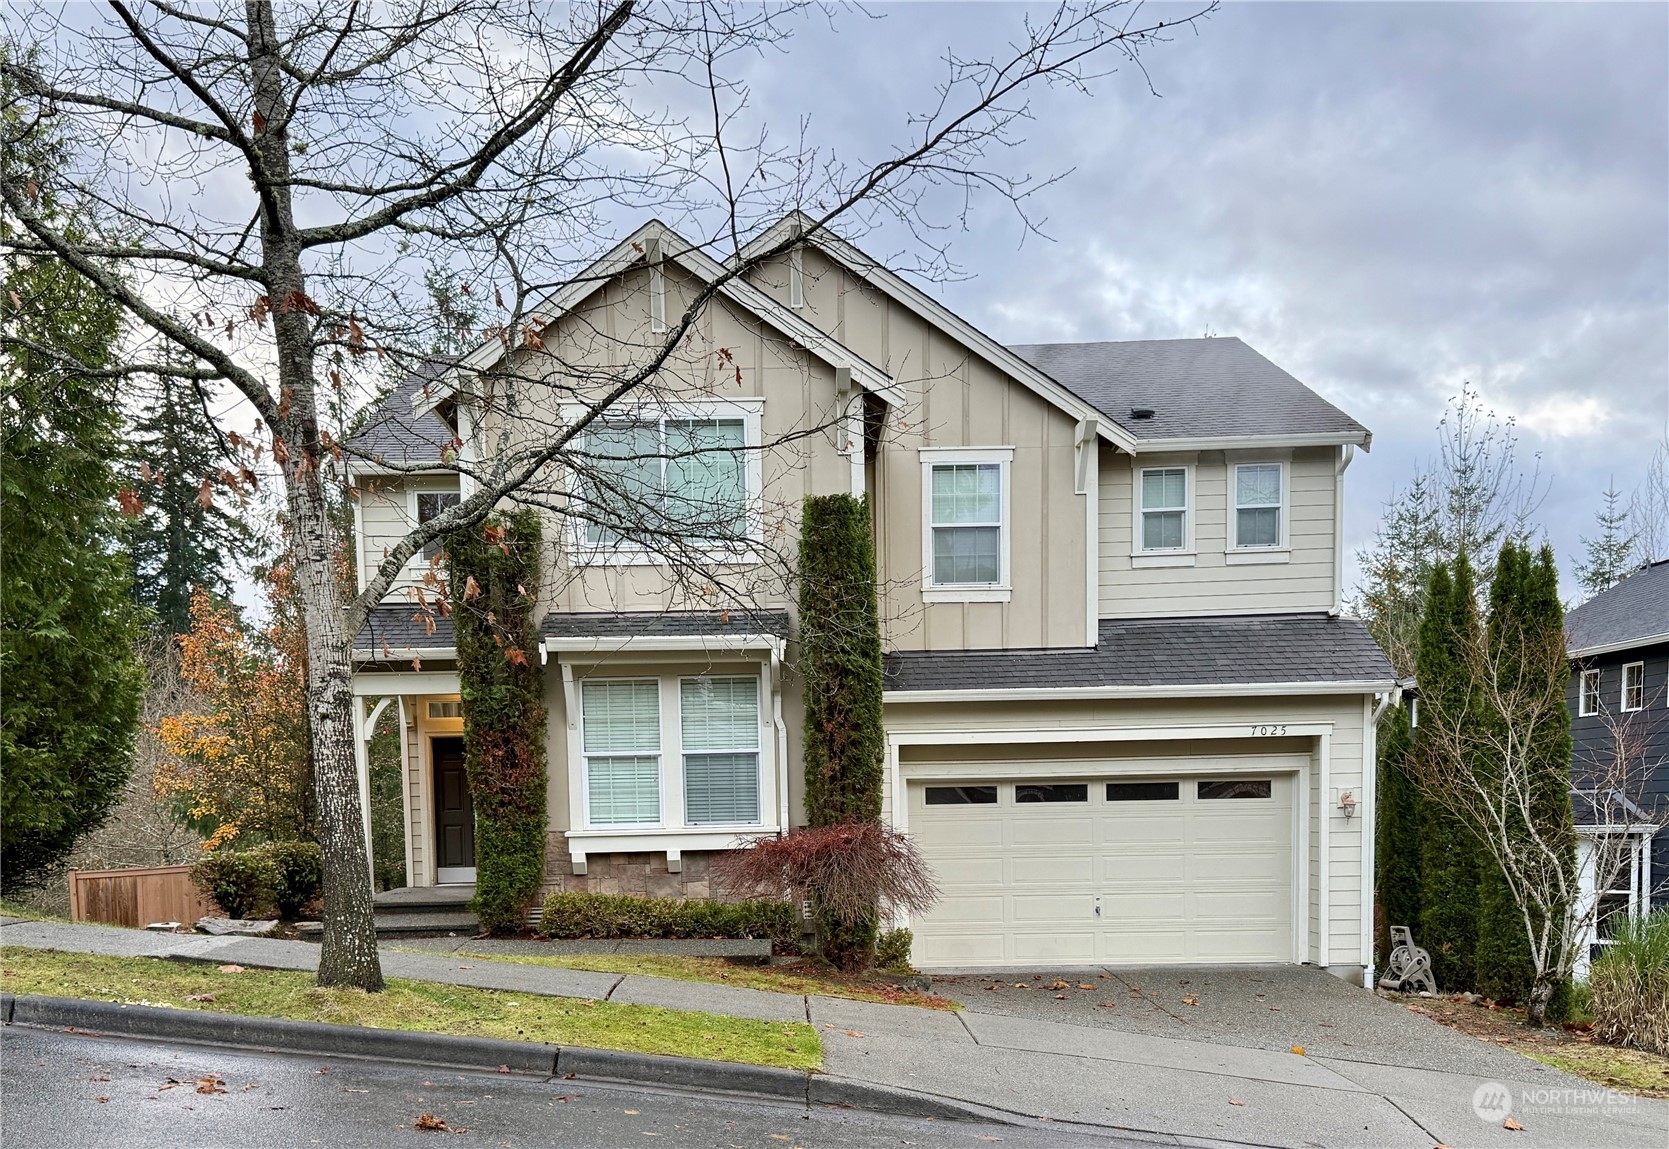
(1140, 830)
(1042, 908)
(960, 909)
(1141, 946)
(1055, 948)
(1230, 867)
(1160, 905)
(964, 948)
(1167, 868)
(1057, 834)
(1050, 873)
(966, 832)
(955, 873)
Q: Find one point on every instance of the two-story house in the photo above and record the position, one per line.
(1126, 718)
(1618, 643)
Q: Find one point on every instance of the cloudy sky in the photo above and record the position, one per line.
(1386, 199)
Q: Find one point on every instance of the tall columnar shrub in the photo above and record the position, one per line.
(494, 576)
(840, 664)
(1397, 831)
(1448, 848)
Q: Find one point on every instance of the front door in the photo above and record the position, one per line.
(454, 813)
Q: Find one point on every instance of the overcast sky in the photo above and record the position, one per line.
(1385, 199)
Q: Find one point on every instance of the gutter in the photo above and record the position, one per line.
(1613, 647)
(1203, 690)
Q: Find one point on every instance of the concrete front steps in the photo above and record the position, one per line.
(418, 912)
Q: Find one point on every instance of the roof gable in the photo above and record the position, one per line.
(1632, 613)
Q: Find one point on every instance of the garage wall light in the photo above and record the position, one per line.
(1347, 804)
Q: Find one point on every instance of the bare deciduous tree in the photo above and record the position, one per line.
(270, 184)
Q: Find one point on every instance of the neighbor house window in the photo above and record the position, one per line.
(967, 500)
(1164, 498)
(1587, 693)
(655, 478)
(1259, 499)
(720, 727)
(1634, 686)
(621, 735)
(430, 504)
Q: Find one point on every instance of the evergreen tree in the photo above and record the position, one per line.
(1448, 849)
(67, 625)
(1397, 863)
(1504, 966)
(181, 540)
(1611, 555)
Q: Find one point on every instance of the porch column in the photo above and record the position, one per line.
(364, 728)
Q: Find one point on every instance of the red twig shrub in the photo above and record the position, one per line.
(850, 868)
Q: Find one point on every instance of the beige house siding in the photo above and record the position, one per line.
(1306, 581)
(956, 398)
(387, 511)
(974, 733)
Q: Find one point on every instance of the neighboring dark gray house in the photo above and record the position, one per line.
(1619, 695)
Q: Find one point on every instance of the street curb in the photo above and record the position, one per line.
(481, 1053)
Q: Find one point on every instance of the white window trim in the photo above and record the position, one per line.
(761, 687)
(1002, 590)
(1239, 555)
(661, 771)
(417, 563)
(1587, 700)
(1622, 692)
(1182, 556)
(673, 826)
(751, 411)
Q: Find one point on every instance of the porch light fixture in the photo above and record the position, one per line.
(1347, 804)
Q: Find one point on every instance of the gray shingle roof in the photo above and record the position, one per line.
(394, 435)
(1635, 609)
(1196, 388)
(404, 629)
(1236, 650)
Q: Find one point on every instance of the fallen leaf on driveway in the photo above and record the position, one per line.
(1059, 984)
(504, 1069)
(1299, 1050)
(102, 1100)
(1509, 1123)
(1106, 1005)
(199, 997)
(211, 1084)
(1060, 997)
(853, 1033)
(630, 1112)
(230, 969)
(1085, 985)
(1191, 999)
(1236, 1101)
(1274, 1009)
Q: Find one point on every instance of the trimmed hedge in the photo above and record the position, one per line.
(277, 877)
(623, 916)
(892, 950)
(494, 569)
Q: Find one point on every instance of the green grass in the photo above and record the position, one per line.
(799, 978)
(414, 1005)
(1627, 1070)
(13, 909)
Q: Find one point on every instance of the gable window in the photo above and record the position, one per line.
(1587, 694)
(621, 735)
(1634, 686)
(965, 522)
(1164, 503)
(720, 726)
(1259, 505)
(651, 477)
(430, 504)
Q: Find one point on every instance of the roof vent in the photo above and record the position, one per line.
(1141, 412)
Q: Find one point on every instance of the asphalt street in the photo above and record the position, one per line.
(85, 1092)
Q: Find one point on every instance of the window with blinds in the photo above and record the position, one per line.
(967, 524)
(719, 720)
(1164, 508)
(652, 477)
(621, 733)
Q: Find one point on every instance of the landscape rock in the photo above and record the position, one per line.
(163, 927)
(241, 927)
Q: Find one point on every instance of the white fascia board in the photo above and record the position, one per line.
(1363, 439)
(404, 653)
(664, 644)
(935, 313)
(1069, 693)
(675, 249)
(410, 682)
(1614, 647)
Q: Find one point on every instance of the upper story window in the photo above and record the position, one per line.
(656, 479)
(429, 505)
(1259, 505)
(1164, 508)
(1587, 693)
(965, 521)
(1634, 686)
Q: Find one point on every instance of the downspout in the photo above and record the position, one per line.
(1346, 454)
(779, 650)
(1370, 818)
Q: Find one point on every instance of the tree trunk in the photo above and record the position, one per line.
(1541, 993)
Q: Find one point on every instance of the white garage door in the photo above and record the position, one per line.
(1128, 870)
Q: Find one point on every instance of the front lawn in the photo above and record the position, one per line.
(416, 1005)
(800, 977)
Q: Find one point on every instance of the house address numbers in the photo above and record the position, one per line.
(1277, 731)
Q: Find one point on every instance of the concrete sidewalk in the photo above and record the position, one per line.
(1188, 1088)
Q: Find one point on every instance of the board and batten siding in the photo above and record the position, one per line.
(956, 398)
(1213, 584)
(387, 512)
(1346, 715)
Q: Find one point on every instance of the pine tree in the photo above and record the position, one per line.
(1397, 862)
(1612, 554)
(67, 625)
(182, 540)
(1504, 966)
(1448, 849)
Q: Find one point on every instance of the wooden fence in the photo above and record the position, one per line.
(137, 897)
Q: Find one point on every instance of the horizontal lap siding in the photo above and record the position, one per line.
(385, 516)
(1212, 585)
